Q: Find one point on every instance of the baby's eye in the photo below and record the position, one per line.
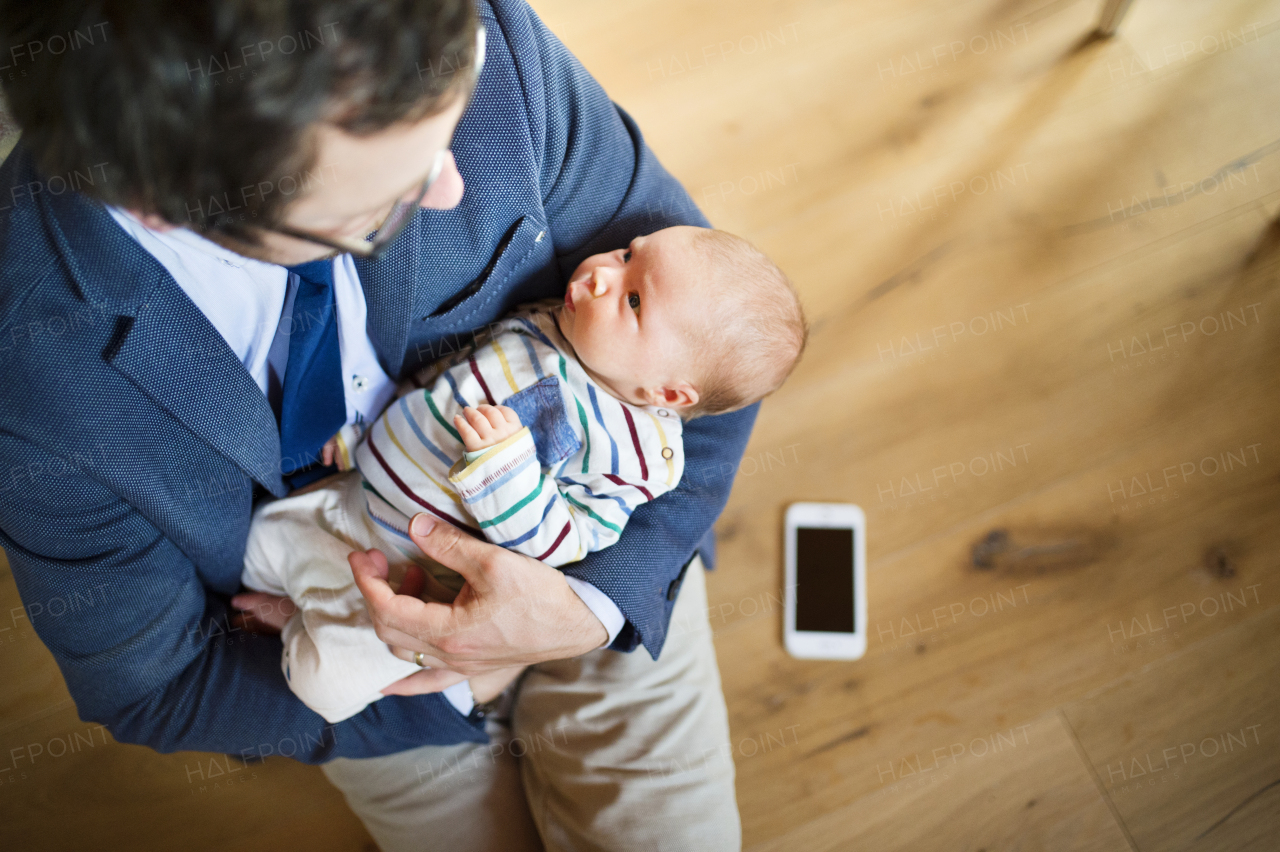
(626, 257)
(633, 299)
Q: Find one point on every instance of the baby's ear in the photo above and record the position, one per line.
(683, 395)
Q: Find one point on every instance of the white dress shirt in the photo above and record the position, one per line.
(243, 299)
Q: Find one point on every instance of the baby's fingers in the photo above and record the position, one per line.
(464, 429)
(493, 416)
(510, 415)
(478, 421)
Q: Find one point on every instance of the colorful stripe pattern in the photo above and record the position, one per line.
(411, 457)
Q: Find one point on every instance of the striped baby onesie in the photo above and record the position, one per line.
(561, 487)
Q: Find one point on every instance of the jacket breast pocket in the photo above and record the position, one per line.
(498, 287)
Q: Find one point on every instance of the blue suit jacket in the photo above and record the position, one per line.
(133, 442)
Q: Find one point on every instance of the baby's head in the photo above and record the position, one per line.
(691, 319)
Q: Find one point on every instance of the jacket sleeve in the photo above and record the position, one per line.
(602, 187)
(556, 519)
(642, 572)
(150, 653)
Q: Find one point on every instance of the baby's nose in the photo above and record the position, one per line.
(598, 285)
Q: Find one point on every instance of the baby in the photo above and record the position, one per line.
(543, 438)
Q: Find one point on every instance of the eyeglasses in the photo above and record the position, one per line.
(397, 220)
(404, 210)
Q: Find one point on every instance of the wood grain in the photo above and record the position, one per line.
(1186, 747)
(1041, 272)
(992, 251)
(1022, 787)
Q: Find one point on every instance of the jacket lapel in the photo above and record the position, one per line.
(175, 355)
(163, 343)
(388, 294)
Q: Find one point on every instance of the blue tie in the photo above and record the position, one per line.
(313, 406)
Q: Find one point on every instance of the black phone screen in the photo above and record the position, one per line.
(824, 580)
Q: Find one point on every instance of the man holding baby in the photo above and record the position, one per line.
(218, 357)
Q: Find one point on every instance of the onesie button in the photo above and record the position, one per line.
(662, 412)
(359, 383)
(667, 453)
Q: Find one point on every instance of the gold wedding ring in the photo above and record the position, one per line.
(417, 658)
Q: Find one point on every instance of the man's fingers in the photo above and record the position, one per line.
(406, 622)
(428, 659)
(427, 680)
(397, 638)
(466, 668)
(414, 582)
(437, 591)
(395, 615)
(453, 548)
(370, 572)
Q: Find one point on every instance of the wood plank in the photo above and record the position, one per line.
(67, 784)
(993, 248)
(32, 681)
(130, 797)
(1020, 788)
(958, 650)
(1186, 748)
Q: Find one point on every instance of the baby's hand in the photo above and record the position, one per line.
(338, 449)
(328, 450)
(485, 425)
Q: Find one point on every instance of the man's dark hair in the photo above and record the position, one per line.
(203, 112)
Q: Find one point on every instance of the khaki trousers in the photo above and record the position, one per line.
(607, 751)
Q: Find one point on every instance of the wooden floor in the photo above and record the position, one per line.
(1041, 274)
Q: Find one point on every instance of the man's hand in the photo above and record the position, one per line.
(485, 687)
(513, 610)
(486, 425)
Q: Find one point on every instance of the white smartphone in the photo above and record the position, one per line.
(826, 576)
